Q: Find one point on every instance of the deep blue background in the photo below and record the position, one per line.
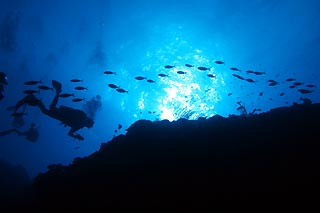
(61, 40)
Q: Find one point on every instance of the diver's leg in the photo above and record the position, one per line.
(29, 99)
(7, 132)
(43, 109)
(57, 87)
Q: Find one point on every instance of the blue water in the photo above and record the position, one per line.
(61, 40)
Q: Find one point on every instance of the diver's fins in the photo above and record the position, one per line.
(57, 86)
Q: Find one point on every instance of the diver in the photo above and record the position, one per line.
(3, 82)
(74, 118)
(31, 134)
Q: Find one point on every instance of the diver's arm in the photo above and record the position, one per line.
(75, 135)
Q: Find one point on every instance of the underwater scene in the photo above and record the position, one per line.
(75, 74)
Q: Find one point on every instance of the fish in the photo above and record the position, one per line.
(42, 87)
(211, 76)
(150, 81)
(181, 72)
(30, 91)
(113, 86)
(304, 91)
(140, 78)
(297, 83)
(189, 65)
(306, 100)
(261, 94)
(259, 73)
(76, 80)
(229, 94)
(238, 76)
(121, 90)
(32, 82)
(290, 79)
(65, 95)
(249, 71)
(273, 83)
(234, 69)
(250, 80)
(292, 86)
(281, 94)
(119, 126)
(78, 99)
(81, 88)
(204, 68)
(219, 62)
(310, 85)
(109, 72)
(162, 75)
(169, 66)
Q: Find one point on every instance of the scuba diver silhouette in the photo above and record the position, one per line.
(74, 118)
(31, 134)
(3, 82)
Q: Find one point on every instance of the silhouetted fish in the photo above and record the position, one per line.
(169, 66)
(250, 80)
(273, 83)
(32, 82)
(238, 76)
(119, 126)
(65, 95)
(290, 79)
(204, 68)
(297, 83)
(113, 86)
(306, 100)
(292, 86)
(162, 75)
(181, 72)
(310, 85)
(42, 87)
(304, 91)
(229, 94)
(140, 78)
(234, 69)
(259, 73)
(249, 71)
(76, 80)
(150, 81)
(121, 90)
(211, 76)
(81, 88)
(219, 62)
(109, 72)
(189, 65)
(78, 99)
(261, 94)
(281, 94)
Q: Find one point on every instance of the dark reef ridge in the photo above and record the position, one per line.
(264, 158)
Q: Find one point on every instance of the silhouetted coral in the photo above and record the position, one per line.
(265, 158)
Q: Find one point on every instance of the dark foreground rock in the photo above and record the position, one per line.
(268, 158)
